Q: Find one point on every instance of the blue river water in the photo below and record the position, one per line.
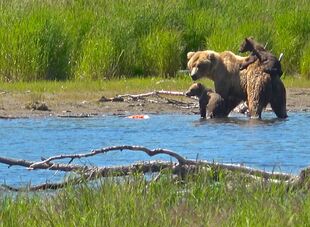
(268, 144)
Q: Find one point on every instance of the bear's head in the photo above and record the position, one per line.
(247, 45)
(201, 63)
(197, 89)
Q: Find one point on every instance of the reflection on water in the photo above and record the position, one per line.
(240, 120)
(270, 144)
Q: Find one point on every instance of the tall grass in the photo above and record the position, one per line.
(61, 40)
(204, 199)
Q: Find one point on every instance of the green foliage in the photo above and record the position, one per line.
(305, 61)
(60, 40)
(96, 60)
(205, 198)
(161, 51)
(54, 55)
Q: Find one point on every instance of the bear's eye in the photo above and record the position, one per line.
(201, 64)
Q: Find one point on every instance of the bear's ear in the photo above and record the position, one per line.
(190, 55)
(211, 56)
(249, 39)
(200, 86)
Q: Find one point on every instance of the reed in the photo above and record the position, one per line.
(82, 40)
(213, 198)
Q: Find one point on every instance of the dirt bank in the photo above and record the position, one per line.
(26, 104)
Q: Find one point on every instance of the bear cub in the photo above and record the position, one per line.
(208, 100)
(270, 63)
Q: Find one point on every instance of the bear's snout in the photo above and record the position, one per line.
(193, 73)
(188, 94)
(194, 77)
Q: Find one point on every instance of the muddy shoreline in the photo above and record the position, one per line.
(26, 105)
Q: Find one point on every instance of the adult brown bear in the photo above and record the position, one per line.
(252, 85)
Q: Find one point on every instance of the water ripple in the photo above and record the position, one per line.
(267, 144)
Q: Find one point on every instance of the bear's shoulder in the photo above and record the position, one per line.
(228, 55)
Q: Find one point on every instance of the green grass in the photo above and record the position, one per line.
(82, 40)
(119, 86)
(203, 199)
(122, 86)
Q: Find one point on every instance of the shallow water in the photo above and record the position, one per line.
(269, 144)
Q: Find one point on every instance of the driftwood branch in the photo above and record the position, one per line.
(241, 108)
(180, 159)
(182, 166)
(135, 97)
(152, 93)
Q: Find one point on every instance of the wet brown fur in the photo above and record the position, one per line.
(252, 84)
(270, 64)
(208, 100)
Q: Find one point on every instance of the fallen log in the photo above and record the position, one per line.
(241, 108)
(180, 167)
(152, 93)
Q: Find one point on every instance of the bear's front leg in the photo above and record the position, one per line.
(229, 104)
(203, 108)
(251, 59)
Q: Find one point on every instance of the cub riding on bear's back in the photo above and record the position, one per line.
(269, 62)
(209, 100)
(235, 85)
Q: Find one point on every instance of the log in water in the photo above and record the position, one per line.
(269, 144)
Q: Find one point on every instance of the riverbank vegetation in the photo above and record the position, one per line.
(117, 47)
(205, 198)
(82, 40)
(124, 85)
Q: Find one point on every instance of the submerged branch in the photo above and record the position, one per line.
(45, 186)
(93, 173)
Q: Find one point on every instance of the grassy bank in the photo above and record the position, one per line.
(82, 40)
(203, 199)
(122, 86)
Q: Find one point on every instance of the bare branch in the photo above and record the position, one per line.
(152, 93)
(91, 172)
(180, 159)
(241, 108)
(120, 98)
(46, 163)
(51, 166)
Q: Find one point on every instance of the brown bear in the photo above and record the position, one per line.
(270, 63)
(209, 100)
(252, 85)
